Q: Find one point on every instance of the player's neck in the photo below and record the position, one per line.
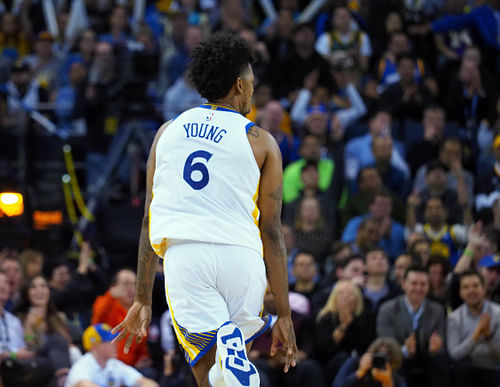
(225, 102)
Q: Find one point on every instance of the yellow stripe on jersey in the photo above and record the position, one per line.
(255, 212)
(194, 344)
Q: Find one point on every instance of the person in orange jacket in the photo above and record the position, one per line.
(111, 308)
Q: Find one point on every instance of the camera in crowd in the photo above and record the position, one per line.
(379, 360)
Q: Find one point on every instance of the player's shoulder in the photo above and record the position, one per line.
(263, 144)
(261, 136)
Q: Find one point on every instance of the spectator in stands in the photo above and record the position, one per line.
(87, 45)
(393, 178)
(271, 119)
(14, 41)
(310, 150)
(401, 263)
(74, 293)
(494, 227)
(259, 47)
(343, 325)
(99, 366)
(470, 99)
(263, 94)
(232, 17)
(459, 179)
(473, 335)
(279, 35)
(358, 151)
(378, 287)
(338, 253)
(420, 249)
(19, 93)
(368, 182)
(118, 33)
(99, 104)
(346, 104)
(178, 63)
(352, 268)
(111, 308)
(311, 232)
(305, 272)
(427, 148)
(328, 203)
(479, 246)
(346, 39)
(456, 201)
(45, 328)
(489, 268)
(445, 238)
(406, 99)
(179, 97)
(391, 231)
(488, 184)
(367, 237)
(418, 325)
(31, 263)
(438, 268)
(11, 266)
(289, 74)
(12, 340)
(386, 72)
(66, 99)
(451, 45)
(367, 370)
(43, 63)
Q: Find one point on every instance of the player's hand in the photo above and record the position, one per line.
(283, 333)
(135, 324)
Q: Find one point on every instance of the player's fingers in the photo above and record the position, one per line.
(274, 346)
(119, 327)
(138, 338)
(121, 336)
(144, 328)
(288, 359)
(130, 339)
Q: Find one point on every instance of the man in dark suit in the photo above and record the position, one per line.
(418, 325)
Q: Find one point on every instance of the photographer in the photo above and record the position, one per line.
(377, 367)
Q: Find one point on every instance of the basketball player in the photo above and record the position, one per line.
(213, 206)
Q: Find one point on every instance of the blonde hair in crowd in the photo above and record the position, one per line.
(331, 305)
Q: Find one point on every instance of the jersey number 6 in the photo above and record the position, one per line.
(190, 167)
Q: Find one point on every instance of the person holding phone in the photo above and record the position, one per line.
(377, 367)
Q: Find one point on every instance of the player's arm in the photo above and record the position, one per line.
(148, 260)
(138, 317)
(270, 201)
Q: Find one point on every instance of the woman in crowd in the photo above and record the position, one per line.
(45, 329)
(343, 325)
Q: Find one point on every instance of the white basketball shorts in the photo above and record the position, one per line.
(209, 284)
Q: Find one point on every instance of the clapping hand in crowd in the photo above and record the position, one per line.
(435, 343)
(483, 327)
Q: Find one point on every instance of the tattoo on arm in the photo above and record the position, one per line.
(254, 131)
(146, 268)
(278, 197)
(278, 244)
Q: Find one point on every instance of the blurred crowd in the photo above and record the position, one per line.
(387, 114)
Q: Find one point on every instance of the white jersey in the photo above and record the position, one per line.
(206, 181)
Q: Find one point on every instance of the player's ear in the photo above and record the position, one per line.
(239, 85)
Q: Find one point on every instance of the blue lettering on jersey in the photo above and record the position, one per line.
(194, 129)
